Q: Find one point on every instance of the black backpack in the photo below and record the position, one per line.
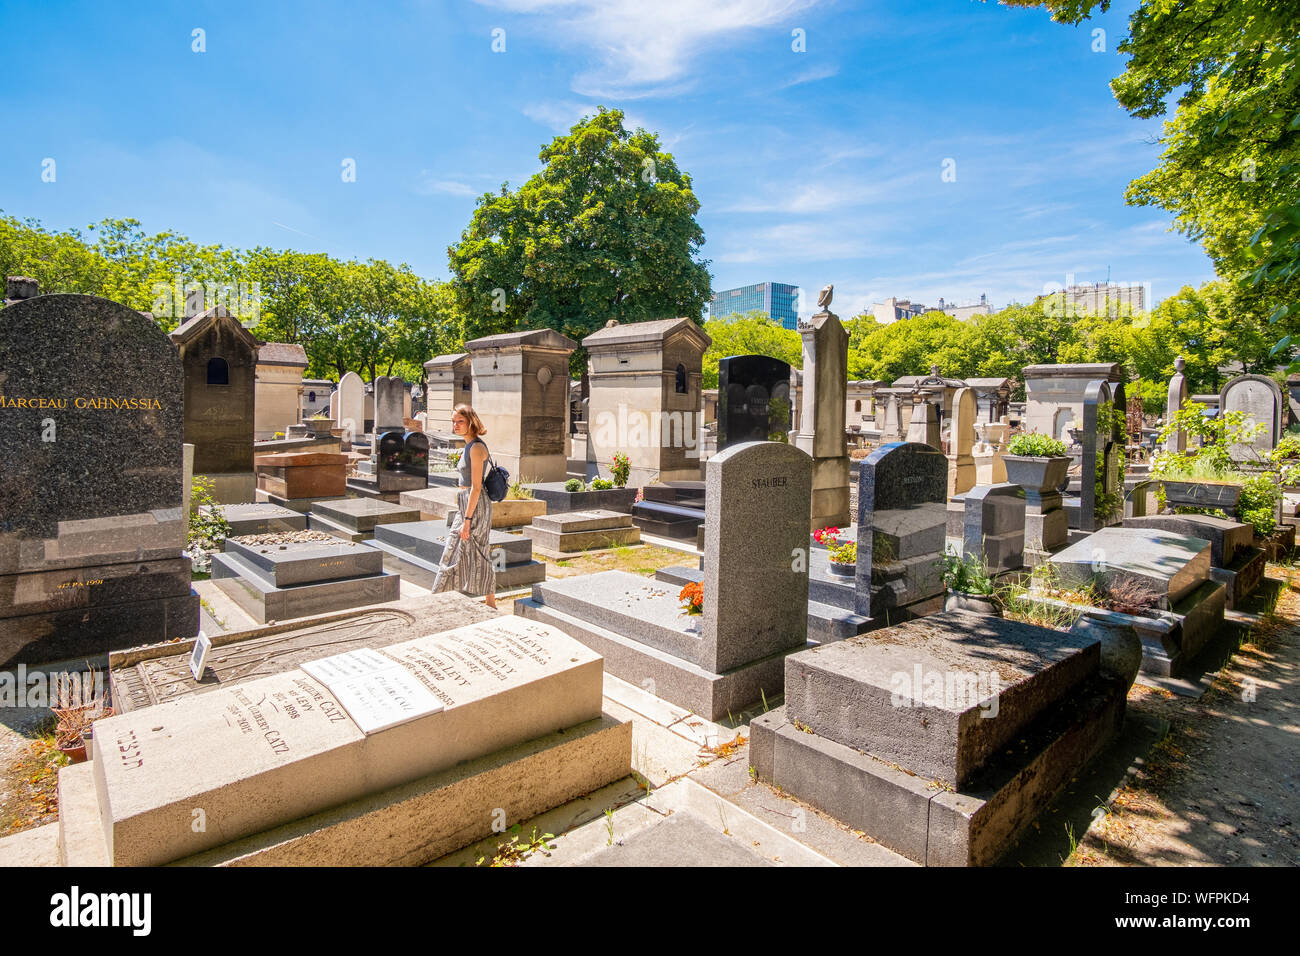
(497, 480)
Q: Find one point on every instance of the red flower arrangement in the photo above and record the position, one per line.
(827, 536)
(692, 598)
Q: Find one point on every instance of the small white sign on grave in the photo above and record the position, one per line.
(199, 659)
(349, 664)
(376, 691)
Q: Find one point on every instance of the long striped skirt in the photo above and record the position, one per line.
(466, 566)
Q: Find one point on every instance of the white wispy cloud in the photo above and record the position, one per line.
(824, 72)
(429, 186)
(644, 49)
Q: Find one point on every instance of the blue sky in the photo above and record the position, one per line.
(811, 167)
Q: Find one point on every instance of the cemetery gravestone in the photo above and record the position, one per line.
(902, 517)
(755, 593)
(283, 747)
(1261, 399)
(351, 406)
(1101, 492)
(821, 425)
(389, 394)
(961, 471)
(995, 526)
(1177, 442)
(91, 524)
(753, 399)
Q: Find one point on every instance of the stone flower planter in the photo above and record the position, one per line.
(843, 568)
(1041, 475)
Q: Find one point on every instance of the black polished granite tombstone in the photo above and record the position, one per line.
(281, 582)
(753, 400)
(400, 463)
(673, 509)
(902, 514)
(91, 528)
(902, 518)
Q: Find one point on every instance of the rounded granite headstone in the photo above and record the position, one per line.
(90, 431)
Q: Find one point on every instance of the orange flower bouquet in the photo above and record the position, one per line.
(692, 598)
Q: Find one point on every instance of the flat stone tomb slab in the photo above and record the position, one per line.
(1226, 537)
(283, 747)
(309, 563)
(1171, 565)
(938, 696)
(630, 605)
(262, 518)
(572, 521)
(428, 539)
(363, 514)
(142, 678)
(252, 589)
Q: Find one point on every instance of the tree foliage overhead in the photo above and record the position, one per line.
(606, 230)
(1230, 170)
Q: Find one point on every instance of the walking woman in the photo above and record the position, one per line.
(467, 558)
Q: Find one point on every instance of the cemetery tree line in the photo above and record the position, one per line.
(1211, 327)
(370, 317)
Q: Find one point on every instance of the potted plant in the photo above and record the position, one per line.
(969, 586)
(1038, 463)
(76, 708)
(692, 598)
(620, 469)
(843, 558)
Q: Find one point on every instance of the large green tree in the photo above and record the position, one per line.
(606, 230)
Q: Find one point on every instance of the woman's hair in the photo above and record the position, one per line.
(471, 416)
